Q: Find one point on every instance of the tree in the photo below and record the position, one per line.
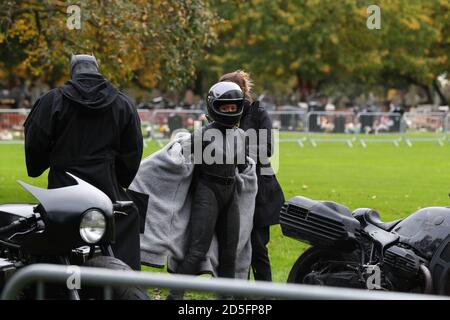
(312, 43)
(147, 43)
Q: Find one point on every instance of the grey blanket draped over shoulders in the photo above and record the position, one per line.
(165, 176)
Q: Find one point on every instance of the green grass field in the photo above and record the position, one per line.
(394, 180)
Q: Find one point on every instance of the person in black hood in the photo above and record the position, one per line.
(269, 198)
(88, 128)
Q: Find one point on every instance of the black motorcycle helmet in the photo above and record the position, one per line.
(83, 63)
(223, 93)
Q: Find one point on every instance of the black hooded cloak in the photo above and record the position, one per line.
(88, 128)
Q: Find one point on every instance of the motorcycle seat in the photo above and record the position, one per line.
(373, 217)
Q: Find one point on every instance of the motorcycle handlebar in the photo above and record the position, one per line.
(19, 224)
(122, 205)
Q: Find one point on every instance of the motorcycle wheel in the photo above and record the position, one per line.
(119, 293)
(305, 262)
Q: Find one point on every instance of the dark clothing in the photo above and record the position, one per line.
(260, 255)
(221, 150)
(90, 129)
(269, 198)
(213, 210)
(213, 206)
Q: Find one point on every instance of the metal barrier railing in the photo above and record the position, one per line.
(291, 124)
(447, 126)
(11, 125)
(378, 127)
(294, 125)
(162, 126)
(44, 273)
(145, 115)
(323, 122)
(427, 126)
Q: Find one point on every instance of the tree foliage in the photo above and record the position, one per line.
(150, 43)
(284, 43)
(319, 42)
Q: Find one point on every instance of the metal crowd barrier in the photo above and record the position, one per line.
(292, 125)
(145, 115)
(446, 126)
(166, 121)
(426, 126)
(50, 273)
(11, 125)
(378, 127)
(321, 124)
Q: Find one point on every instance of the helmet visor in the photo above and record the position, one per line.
(228, 107)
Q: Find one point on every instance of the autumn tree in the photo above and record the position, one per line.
(312, 43)
(146, 43)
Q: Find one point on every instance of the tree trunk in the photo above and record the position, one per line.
(304, 88)
(436, 87)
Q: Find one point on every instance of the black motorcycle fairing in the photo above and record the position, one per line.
(440, 268)
(369, 216)
(76, 198)
(402, 261)
(63, 210)
(320, 223)
(380, 237)
(374, 228)
(425, 230)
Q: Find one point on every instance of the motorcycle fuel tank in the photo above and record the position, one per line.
(425, 229)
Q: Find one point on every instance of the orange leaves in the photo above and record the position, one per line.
(411, 23)
(294, 66)
(334, 38)
(290, 20)
(160, 41)
(325, 69)
(23, 29)
(279, 71)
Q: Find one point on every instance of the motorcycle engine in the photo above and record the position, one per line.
(348, 279)
(402, 262)
(336, 274)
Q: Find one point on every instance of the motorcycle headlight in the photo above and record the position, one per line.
(92, 226)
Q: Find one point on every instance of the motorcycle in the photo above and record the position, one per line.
(358, 250)
(73, 225)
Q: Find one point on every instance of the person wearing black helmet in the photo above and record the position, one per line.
(270, 197)
(214, 210)
(89, 128)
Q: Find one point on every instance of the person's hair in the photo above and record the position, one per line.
(242, 79)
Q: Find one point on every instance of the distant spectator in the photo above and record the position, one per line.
(38, 87)
(188, 100)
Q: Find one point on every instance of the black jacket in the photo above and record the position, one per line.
(88, 128)
(220, 149)
(270, 197)
(91, 130)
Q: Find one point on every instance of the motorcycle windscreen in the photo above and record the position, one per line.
(71, 199)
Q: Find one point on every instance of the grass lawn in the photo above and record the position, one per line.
(394, 180)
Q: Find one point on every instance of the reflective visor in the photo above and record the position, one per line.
(238, 102)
